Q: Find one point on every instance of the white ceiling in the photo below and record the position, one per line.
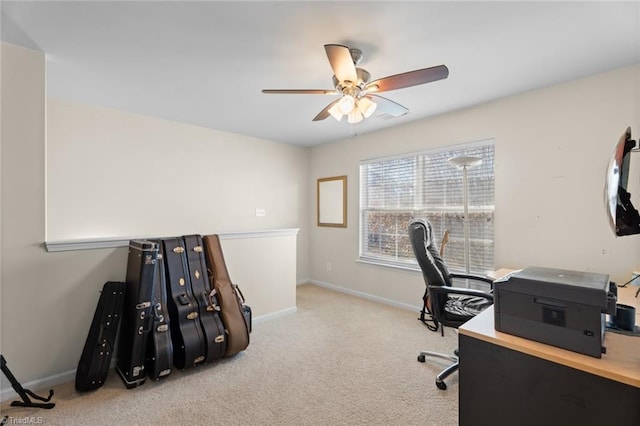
(205, 62)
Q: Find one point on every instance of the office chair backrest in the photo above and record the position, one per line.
(433, 268)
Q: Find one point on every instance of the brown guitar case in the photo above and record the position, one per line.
(229, 299)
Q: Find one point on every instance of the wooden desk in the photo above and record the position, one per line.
(505, 379)
(501, 273)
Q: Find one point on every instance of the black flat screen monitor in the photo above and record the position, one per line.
(624, 218)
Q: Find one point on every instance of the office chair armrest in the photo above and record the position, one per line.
(435, 289)
(473, 277)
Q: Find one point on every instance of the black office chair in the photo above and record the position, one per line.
(443, 304)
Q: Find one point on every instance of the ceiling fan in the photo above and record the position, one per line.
(357, 100)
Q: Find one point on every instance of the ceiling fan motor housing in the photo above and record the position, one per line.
(363, 78)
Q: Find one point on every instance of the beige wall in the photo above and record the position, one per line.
(111, 173)
(48, 299)
(270, 279)
(115, 174)
(552, 151)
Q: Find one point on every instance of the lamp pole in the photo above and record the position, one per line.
(464, 163)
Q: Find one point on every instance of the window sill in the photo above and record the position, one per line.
(388, 264)
(406, 267)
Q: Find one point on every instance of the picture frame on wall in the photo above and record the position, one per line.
(332, 201)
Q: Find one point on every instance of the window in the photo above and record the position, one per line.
(426, 185)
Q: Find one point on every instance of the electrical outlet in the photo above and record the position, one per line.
(261, 212)
(328, 266)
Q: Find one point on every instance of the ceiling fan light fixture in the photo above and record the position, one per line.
(335, 112)
(366, 106)
(355, 116)
(346, 104)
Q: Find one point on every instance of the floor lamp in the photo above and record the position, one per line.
(464, 163)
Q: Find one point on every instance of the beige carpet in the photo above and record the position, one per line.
(340, 360)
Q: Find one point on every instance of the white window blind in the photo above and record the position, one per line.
(426, 185)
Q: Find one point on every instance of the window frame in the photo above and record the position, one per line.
(411, 264)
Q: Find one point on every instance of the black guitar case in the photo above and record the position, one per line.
(189, 346)
(160, 349)
(208, 309)
(137, 315)
(95, 360)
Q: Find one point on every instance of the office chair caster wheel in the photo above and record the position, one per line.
(441, 385)
(421, 358)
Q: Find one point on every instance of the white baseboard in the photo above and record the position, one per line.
(42, 386)
(303, 281)
(273, 315)
(367, 296)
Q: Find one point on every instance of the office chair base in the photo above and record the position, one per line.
(424, 354)
(444, 374)
(440, 384)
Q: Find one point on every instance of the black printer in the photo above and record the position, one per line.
(562, 308)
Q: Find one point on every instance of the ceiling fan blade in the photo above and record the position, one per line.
(300, 92)
(325, 112)
(387, 106)
(408, 79)
(341, 62)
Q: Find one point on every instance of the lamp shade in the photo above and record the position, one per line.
(335, 112)
(346, 104)
(355, 116)
(366, 106)
(462, 161)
